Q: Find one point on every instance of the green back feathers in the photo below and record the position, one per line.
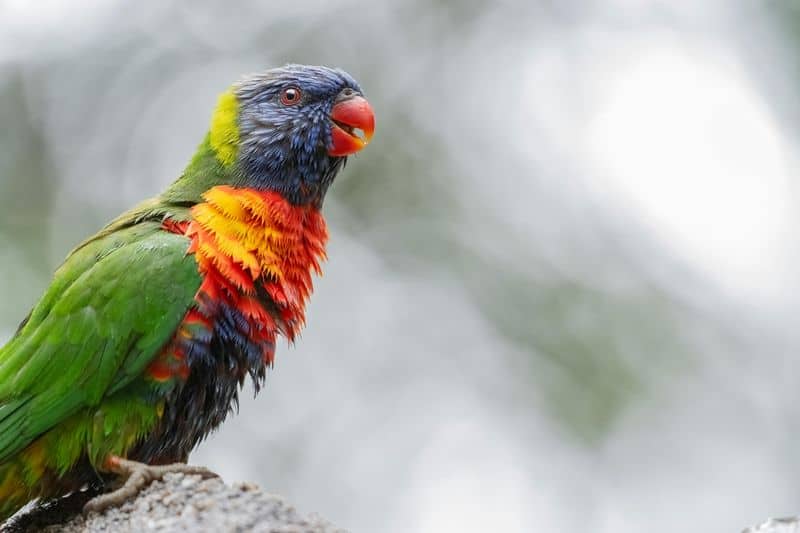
(113, 304)
(71, 379)
(111, 307)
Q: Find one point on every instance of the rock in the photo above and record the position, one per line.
(776, 525)
(185, 504)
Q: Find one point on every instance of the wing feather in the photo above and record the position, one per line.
(111, 307)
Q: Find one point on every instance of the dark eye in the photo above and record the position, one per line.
(291, 96)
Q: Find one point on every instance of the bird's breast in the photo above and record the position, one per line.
(256, 254)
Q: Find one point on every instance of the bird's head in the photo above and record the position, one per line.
(291, 129)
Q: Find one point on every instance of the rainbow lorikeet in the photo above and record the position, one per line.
(139, 346)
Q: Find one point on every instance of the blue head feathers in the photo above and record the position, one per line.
(286, 129)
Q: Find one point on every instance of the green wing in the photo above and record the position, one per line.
(109, 310)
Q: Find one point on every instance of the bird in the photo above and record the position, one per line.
(149, 329)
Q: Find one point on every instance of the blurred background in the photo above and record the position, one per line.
(562, 291)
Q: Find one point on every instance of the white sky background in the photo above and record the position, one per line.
(685, 141)
(669, 132)
(645, 112)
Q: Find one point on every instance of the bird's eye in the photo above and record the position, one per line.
(290, 96)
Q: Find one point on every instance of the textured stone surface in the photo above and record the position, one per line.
(777, 525)
(187, 503)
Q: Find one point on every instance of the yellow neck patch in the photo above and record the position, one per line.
(224, 133)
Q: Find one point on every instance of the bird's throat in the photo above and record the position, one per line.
(245, 240)
(256, 253)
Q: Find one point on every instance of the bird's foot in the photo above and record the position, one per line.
(137, 476)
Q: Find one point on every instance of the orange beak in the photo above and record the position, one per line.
(352, 126)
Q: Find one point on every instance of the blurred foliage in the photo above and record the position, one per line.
(591, 369)
(27, 190)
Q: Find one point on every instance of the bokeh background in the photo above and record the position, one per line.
(562, 291)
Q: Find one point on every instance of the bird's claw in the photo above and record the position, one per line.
(139, 475)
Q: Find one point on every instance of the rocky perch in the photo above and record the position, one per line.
(185, 504)
(777, 525)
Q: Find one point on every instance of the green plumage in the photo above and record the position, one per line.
(112, 305)
(72, 389)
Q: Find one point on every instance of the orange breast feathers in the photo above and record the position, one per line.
(248, 243)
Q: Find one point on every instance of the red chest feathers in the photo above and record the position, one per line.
(256, 254)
